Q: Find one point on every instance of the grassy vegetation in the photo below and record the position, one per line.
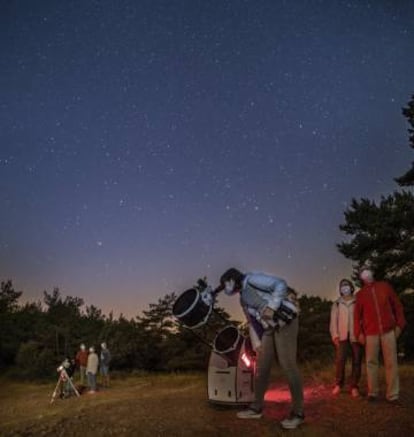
(175, 404)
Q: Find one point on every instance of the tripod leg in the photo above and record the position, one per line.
(56, 390)
(73, 386)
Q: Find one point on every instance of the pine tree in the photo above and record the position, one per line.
(407, 179)
(382, 234)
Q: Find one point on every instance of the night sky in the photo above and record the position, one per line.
(147, 143)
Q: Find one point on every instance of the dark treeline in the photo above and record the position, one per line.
(34, 337)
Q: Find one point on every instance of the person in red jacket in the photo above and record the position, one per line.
(378, 321)
(81, 360)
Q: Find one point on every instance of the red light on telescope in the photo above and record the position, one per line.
(246, 360)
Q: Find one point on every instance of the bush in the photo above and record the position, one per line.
(35, 361)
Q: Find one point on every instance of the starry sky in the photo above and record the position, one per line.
(147, 143)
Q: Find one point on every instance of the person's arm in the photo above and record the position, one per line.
(277, 288)
(255, 330)
(358, 330)
(333, 323)
(264, 294)
(397, 310)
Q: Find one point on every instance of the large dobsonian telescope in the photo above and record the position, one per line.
(232, 364)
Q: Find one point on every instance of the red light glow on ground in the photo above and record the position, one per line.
(281, 393)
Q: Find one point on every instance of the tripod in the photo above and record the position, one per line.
(63, 378)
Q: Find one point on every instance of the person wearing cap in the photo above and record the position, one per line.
(342, 333)
(105, 358)
(378, 322)
(271, 309)
(81, 360)
(92, 369)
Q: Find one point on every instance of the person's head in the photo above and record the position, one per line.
(231, 281)
(366, 274)
(82, 347)
(346, 288)
(91, 349)
(103, 345)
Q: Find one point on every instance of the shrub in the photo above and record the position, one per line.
(35, 361)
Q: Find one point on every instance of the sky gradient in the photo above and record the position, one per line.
(147, 143)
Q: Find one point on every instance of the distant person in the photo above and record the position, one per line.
(92, 369)
(105, 359)
(378, 322)
(342, 333)
(81, 360)
(271, 311)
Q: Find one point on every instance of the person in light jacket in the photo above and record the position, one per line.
(92, 369)
(342, 334)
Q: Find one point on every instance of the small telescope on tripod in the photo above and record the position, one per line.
(64, 386)
(232, 364)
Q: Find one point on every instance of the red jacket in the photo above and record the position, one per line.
(378, 310)
(81, 358)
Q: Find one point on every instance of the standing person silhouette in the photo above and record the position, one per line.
(342, 333)
(81, 360)
(378, 322)
(104, 361)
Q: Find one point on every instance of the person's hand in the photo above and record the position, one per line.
(397, 332)
(258, 350)
(361, 339)
(268, 313)
(336, 341)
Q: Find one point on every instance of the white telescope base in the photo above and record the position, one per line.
(230, 384)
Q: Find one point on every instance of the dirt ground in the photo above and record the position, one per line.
(176, 405)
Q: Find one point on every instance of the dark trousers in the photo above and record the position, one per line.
(342, 351)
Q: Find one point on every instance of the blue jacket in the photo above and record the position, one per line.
(260, 290)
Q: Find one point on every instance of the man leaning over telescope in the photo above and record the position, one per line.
(271, 309)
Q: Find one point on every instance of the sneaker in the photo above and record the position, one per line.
(394, 401)
(354, 392)
(293, 421)
(91, 392)
(336, 390)
(249, 414)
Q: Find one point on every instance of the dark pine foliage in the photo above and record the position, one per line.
(36, 337)
(382, 233)
(407, 179)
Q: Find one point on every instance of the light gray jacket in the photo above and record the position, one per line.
(342, 319)
(93, 362)
(260, 290)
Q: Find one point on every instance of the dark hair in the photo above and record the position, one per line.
(234, 274)
(347, 281)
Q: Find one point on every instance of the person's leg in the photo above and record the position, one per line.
(90, 382)
(371, 357)
(356, 364)
(105, 376)
(68, 387)
(263, 367)
(82, 371)
(389, 353)
(286, 347)
(341, 353)
(93, 381)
